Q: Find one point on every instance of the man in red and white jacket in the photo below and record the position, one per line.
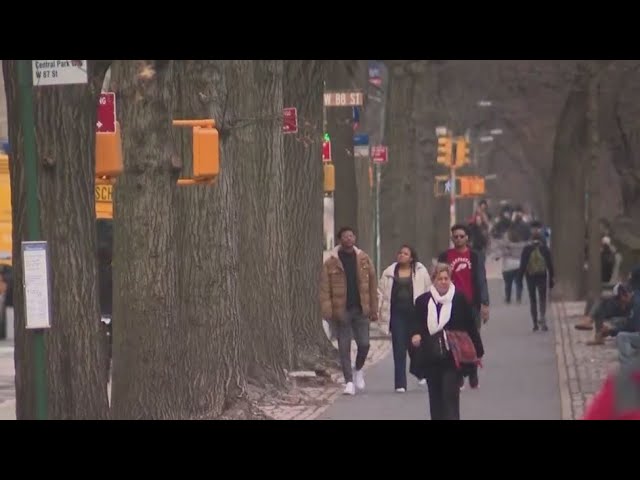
(619, 398)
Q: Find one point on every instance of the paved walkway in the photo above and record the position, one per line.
(582, 368)
(519, 379)
(7, 384)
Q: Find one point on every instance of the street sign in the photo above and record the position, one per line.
(59, 72)
(290, 120)
(343, 99)
(106, 121)
(361, 151)
(379, 154)
(361, 139)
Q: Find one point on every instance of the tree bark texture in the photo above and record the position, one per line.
(567, 195)
(398, 192)
(209, 339)
(340, 75)
(147, 330)
(593, 121)
(303, 177)
(65, 118)
(265, 262)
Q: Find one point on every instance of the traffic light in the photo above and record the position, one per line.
(326, 148)
(445, 150)
(206, 148)
(462, 152)
(109, 153)
(329, 178)
(442, 186)
(471, 186)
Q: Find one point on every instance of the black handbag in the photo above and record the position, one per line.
(435, 347)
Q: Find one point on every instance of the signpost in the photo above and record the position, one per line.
(59, 72)
(25, 74)
(290, 120)
(106, 119)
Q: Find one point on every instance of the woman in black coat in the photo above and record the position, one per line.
(438, 311)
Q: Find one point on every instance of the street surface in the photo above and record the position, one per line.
(519, 379)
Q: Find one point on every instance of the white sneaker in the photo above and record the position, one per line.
(349, 389)
(358, 377)
(422, 382)
(400, 390)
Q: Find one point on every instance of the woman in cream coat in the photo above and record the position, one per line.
(401, 283)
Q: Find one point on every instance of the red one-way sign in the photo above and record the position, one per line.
(106, 122)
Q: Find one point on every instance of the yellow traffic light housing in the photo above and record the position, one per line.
(329, 178)
(109, 154)
(206, 151)
(462, 152)
(471, 186)
(445, 150)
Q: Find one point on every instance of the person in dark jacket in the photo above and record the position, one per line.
(536, 266)
(440, 310)
(469, 276)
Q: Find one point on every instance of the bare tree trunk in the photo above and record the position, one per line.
(303, 88)
(397, 203)
(340, 127)
(593, 185)
(364, 223)
(264, 295)
(567, 187)
(64, 122)
(209, 337)
(147, 330)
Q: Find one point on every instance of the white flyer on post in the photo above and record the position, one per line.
(35, 268)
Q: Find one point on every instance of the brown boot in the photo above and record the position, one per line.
(585, 324)
(598, 339)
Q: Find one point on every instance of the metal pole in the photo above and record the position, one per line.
(452, 205)
(33, 219)
(377, 224)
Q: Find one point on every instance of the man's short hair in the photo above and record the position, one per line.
(459, 226)
(620, 289)
(536, 224)
(344, 229)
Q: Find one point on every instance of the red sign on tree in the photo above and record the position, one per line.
(379, 154)
(106, 122)
(290, 116)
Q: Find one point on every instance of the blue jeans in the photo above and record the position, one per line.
(399, 326)
(628, 344)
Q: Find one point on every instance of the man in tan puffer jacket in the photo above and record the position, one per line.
(349, 299)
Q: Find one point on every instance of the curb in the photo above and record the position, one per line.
(560, 318)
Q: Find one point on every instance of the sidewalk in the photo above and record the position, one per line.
(7, 383)
(582, 369)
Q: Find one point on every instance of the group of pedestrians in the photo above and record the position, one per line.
(434, 318)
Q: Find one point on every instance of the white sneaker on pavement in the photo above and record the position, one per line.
(349, 389)
(422, 381)
(400, 390)
(358, 377)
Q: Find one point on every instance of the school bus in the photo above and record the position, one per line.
(5, 211)
(104, 211)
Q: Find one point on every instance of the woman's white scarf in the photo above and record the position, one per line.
(436, 322)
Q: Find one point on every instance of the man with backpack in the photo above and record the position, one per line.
(536, 265)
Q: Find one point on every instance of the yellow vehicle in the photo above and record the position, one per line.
(104, 211)
(5, 211)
